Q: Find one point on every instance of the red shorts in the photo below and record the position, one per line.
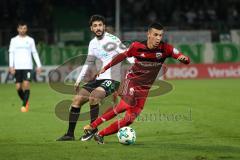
(130, 91)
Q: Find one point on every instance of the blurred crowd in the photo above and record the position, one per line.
(216, 15)
(182, 14)
(37, 13)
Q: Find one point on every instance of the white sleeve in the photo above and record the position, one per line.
(35, 54)
(89, 61)
(11, 52)
(122, 48)
(82, 73)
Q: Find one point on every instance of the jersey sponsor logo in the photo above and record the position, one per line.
(150, 64)
(111, 46)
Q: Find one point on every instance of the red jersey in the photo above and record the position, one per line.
(148, 62)
(142, 74)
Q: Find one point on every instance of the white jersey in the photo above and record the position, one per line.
(21, 50)
(104, 50)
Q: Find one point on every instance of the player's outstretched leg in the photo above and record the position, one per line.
(90, 130)
(114, 127)
(78, 101)
(131, 113)
(73, 118)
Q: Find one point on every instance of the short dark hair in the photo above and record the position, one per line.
(97, 17)
(156, 25)
(21, 23)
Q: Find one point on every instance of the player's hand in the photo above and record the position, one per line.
(39, 70)
(12, 70)
(100, 72)
(76, 86)
(183, 59)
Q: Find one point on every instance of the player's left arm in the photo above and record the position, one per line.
(36, 57)
(176, 54)
(11, 59)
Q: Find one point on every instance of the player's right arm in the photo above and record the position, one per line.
(11, 59)
(36, 56)
(89, 62)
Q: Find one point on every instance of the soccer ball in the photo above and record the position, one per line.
(126, 135)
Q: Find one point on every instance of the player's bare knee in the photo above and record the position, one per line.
(18, 86)
(93, 100)
(26, 85)
(79, 100)
(96, 96)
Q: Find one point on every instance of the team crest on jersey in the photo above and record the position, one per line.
(142, 55)
(158, 55)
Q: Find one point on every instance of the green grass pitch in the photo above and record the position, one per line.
(198, 120)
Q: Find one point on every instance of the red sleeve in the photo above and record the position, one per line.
(130, 50)
(175, 53)
(120, 57)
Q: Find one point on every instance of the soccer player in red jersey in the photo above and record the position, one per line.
(149, 58)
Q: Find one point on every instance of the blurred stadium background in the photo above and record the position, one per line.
(207, 31)
(200, 116)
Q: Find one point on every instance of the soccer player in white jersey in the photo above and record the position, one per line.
(21, 50)
(104, 46)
